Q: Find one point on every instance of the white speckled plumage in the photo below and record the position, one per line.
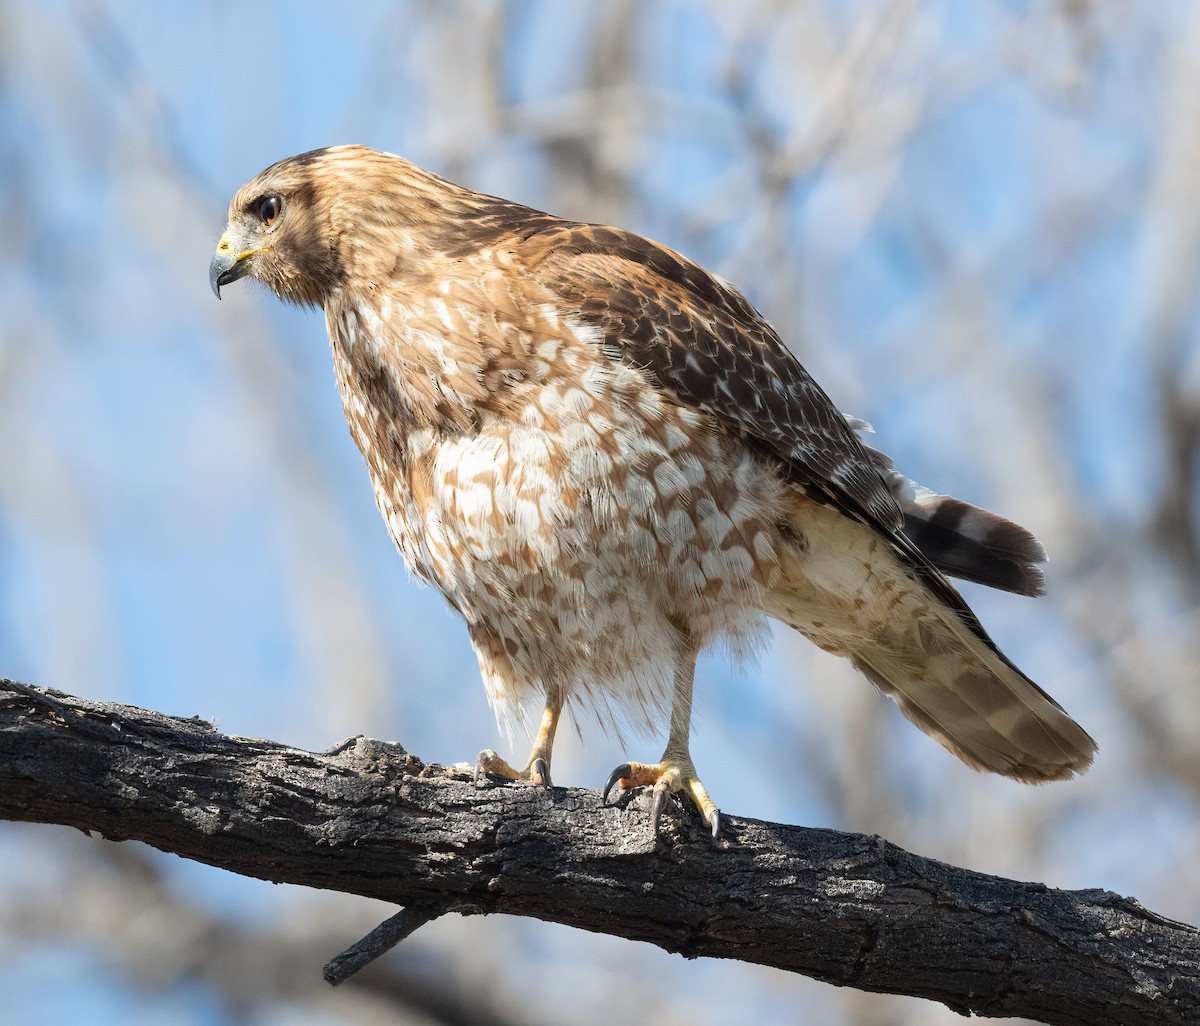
(578, 530)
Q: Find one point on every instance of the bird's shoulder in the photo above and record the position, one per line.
(696, 337)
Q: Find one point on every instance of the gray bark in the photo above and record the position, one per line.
(368, 818)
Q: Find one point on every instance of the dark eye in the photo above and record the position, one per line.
(268, 209)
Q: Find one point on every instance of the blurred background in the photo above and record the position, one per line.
(977, 224)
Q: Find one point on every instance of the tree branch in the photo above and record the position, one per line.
(368, 818)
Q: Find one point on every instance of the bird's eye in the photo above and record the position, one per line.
(268, 209)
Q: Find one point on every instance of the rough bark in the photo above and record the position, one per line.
(368, 818)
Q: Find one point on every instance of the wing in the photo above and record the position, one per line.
(699, 339)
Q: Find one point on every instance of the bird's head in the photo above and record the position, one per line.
(313, 223)
(280, 231)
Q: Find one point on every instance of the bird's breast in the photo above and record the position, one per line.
(579, 510)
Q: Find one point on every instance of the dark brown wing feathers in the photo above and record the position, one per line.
(700, 339)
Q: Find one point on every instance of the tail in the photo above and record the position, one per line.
(910, 633)
(962, 540)
(979, 706)
(972, 544)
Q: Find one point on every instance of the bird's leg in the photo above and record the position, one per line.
(537, 770)
(675, 772)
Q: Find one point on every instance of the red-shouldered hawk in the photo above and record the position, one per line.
(606, 460)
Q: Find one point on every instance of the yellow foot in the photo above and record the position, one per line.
(670, 776)
(537, 772)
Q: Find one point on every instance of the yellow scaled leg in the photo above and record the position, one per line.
(674, 773)
(537, 770)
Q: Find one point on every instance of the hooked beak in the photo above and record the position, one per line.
(227, 266)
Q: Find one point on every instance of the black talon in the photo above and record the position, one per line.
(624, 770)
(716, 824)
(539, 773)
(656, 807)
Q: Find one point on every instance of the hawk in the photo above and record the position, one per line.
(606, 460)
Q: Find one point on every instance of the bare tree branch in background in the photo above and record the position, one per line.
(159, 936)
